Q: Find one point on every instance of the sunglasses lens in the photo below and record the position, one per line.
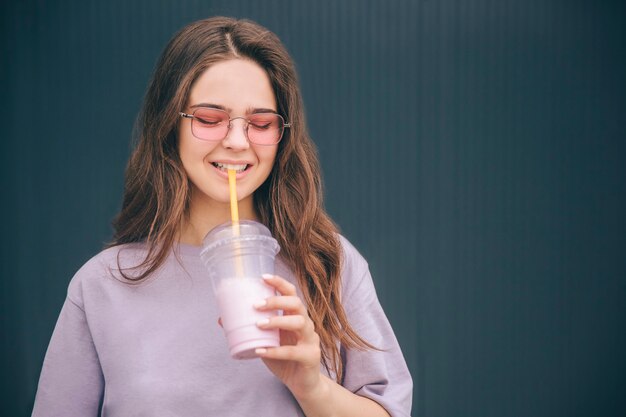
(265, 128)
(210, 124)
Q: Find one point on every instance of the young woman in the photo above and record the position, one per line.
(138, 334)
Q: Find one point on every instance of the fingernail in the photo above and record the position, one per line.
(267, 276)
(260, 304)
(260, 351)
(262, 322)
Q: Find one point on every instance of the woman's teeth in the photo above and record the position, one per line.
(226, 167)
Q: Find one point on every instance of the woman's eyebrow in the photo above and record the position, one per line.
(249, 110)
(215, 106)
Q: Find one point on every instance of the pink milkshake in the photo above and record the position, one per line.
(236, 258)
(236, 298)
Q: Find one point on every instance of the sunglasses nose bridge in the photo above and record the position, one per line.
(231, 136)
(245, 122)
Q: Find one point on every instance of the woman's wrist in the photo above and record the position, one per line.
(317, 401)
(316, 392)
(329, 399)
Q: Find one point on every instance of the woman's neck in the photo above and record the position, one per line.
(204, 215)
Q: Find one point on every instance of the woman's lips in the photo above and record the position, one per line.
(225, 167)
(240, 168)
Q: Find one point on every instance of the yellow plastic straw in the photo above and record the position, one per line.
(234, 210)
(234, 215)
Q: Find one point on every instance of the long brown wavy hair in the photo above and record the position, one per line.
(157, 190)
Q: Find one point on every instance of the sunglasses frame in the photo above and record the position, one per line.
(193, 118)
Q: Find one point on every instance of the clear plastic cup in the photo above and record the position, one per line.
(235, 261)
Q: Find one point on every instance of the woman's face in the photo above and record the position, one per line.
(241, 87)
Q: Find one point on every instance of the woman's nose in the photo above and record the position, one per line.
(237, 137)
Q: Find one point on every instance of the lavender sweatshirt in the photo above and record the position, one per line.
(156, 349)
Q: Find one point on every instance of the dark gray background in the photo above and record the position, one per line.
(472, 150)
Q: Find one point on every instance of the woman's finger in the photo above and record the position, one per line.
(281, 285)
(287, 303)
(294, 323)
(290, 353)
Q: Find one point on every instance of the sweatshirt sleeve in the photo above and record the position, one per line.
(71, 383)
(381, 375)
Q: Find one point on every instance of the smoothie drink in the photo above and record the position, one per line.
(236, 258)
(235, 299)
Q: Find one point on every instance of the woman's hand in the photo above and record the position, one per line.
(296, 362)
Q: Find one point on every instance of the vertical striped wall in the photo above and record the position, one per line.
(473, 151)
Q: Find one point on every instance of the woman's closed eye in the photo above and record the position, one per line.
(209, 122)
(260, 126)
(263, 123)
